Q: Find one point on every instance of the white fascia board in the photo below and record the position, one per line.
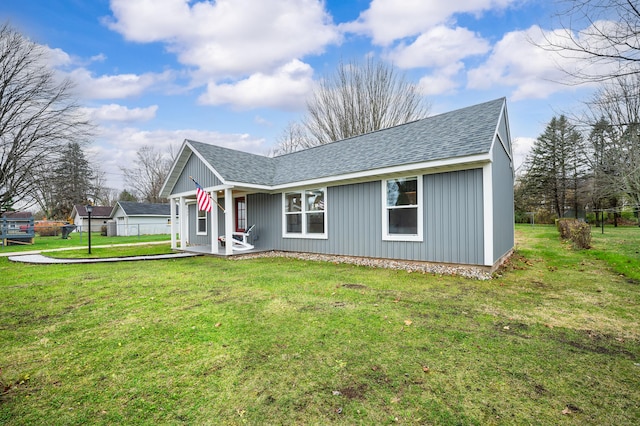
(179, 160)
(231, 184)
(458, 163)
(208, 189)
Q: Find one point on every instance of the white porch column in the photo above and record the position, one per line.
(172, 223)
(228, 220)
(214, 222)
(184, 219)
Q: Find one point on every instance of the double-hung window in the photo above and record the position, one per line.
(402, 209)
(202, 222)
(305, 213)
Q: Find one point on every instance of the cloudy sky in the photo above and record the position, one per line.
(235, 72)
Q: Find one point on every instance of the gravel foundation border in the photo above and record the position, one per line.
(467, 271)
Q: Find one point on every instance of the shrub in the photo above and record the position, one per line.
(575, 230)
(581, 235)
(48, 228)
(103, 230)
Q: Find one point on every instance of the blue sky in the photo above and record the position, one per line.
(235, 72)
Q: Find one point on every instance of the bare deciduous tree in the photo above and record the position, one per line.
(617, 103)
(147, 177)
(294, 137)
(38, 116)
(603, 35)
(361, 98)
(358, 98)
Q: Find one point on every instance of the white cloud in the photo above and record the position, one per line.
(286, 88)
(438, 47)
(389, 20)
(120, 113)
(521, 147)
(441, 81)
(117, 86)
(228, 38)
(57, 58)
(535, 73)
(116, 147)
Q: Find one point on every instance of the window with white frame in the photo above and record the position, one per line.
(305, 213)
(202, 222)
(402, 209)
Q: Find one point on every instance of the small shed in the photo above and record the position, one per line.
(132, 218)
(99, 217)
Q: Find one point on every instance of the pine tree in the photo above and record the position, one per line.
(72, 180)
(556, 167)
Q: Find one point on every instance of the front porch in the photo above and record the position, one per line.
(197, 231)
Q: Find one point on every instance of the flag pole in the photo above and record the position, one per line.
(215, 201)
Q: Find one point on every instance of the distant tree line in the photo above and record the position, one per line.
(587, 164)
(590, 162)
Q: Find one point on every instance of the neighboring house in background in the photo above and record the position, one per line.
(438, 189)
(16, 227)
(99, 217)
(141, 218)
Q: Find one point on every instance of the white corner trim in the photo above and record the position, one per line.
(487, 212)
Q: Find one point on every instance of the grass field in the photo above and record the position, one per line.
(553, 339)
(77, 240)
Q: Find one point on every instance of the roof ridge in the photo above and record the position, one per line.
(393, 127)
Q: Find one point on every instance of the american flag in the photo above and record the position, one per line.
(204, 201)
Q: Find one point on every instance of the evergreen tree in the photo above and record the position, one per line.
(556, 167)
(72, 180)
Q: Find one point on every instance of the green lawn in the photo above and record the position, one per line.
(77, 240)
(553, 339)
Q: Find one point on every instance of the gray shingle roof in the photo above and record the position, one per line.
(145, 209)
(459, 133)
(98, 211)
(237, 166)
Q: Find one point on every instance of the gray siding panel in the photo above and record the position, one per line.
(200, 173)
(452, 222)
(503, 209)
(194, 239)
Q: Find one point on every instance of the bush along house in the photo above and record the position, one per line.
(437, 190)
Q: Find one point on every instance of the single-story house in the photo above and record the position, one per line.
(438, 189)
(132, 218)
(99, 217)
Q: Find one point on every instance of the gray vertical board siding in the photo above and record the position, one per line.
(194, 238)
(265, 212)
(503, 209)
(452, 221)
(454, 217)
(199, 171)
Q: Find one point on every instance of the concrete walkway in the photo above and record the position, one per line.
(44, 260)
(36, 256)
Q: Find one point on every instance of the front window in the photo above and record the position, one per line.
(305, 214)
(202, 222)
(402, 211)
